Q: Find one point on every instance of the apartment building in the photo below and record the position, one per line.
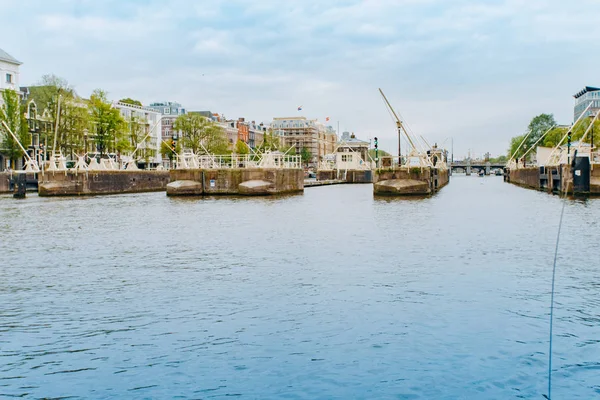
(300, 132)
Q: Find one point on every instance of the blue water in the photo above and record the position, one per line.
(330, 294)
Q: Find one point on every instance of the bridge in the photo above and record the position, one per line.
(469, 165)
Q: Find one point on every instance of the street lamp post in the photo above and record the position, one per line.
(85, 145)
(592, 116)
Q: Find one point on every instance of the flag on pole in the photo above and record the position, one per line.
(299, 108)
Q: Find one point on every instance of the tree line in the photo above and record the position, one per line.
(544, 131)
(78, 126)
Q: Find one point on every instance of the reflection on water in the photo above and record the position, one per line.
(333, 294)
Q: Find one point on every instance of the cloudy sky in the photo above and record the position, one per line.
(473, 71)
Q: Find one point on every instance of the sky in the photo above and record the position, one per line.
(467, 75)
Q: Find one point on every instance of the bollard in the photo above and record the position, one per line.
(20, 186)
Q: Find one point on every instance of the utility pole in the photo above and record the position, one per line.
(399, 146)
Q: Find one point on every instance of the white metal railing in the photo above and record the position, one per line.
(411, 160)
(189, 160)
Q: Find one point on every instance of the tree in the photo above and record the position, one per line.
(288, 150)
(108, 126)
(554, 136)
(306, 155)
(72, 120)
(131, 101)
(12, 113)
(241, 147)
(499, 159)
(199, 133)
(538, 125)
(270, 142)
(381, 153)
(166, 149)
(515, 142)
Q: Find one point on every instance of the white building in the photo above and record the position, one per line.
(352, 153)
(299, 132)
(9, 71)
(170, 111)
(149, 120)
(583, 98)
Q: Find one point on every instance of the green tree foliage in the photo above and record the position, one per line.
(515, 142)
(12, 113)
(499, 159)
(166, 149)
(107, 125)
(199, 133)
(270, 142)
(583, 125)
(538, 125)
(73, 118)
(288, 150)
(306, 155)
(241, 147)
(131, 101)
(554, 136)
(381, 153)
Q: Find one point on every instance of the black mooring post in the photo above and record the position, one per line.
(20, 186)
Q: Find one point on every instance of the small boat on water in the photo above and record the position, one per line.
(481, 172)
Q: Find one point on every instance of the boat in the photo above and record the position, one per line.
(481, 172)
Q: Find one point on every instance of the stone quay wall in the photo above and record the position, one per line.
(415, 173)
(352, 176)
(4, 182)
(234, 181)
(72, 183)
(528, 177)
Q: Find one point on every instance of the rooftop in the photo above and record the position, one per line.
(585, 90)
(4, 56)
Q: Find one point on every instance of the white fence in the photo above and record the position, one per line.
(264, 160)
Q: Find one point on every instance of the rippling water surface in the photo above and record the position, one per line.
(330, 294)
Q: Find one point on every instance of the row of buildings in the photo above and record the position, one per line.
(157, 120)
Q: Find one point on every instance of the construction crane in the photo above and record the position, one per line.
(398, 125)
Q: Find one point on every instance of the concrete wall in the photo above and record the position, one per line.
(415, 173)
(352, 176)
(434, 179)
(528, 177)
(101, 182)
(4, 182)
(227, 181)
(595, 180)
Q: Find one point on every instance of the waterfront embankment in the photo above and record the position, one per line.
(74, 183)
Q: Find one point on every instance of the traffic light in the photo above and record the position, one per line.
(173, 145)
(569, 137)
(375, 142)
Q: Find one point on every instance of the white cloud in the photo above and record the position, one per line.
(474, 71)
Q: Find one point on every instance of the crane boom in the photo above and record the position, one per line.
(398, 122)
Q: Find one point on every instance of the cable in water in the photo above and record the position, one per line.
(549, 396)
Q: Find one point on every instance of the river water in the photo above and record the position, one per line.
(330, 294)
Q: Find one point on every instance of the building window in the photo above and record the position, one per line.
(9, 78)
(346, 157)
(167, 111)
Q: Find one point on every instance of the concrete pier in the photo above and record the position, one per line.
(235, 181)
(347, 176)
(72, 183)
(558, 179)
(409, 180)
